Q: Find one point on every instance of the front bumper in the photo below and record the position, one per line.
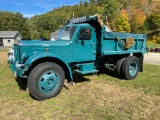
(18, 69)
(18, 72)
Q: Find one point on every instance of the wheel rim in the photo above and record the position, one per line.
(133, 68)
(48, 82)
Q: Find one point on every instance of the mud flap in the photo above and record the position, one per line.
(140, 57)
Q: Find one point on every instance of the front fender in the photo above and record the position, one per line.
(37, 56)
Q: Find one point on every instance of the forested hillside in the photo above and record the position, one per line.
(137, 16)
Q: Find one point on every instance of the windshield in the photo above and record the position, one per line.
(65, 33)
(54, 36)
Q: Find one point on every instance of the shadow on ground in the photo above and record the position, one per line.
(78, 78)
(22, 83)
(107, 71)
(110, 72)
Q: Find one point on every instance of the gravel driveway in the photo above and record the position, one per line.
(152, 58)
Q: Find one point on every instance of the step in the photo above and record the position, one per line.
(86, 68)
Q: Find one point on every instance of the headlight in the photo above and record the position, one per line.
(24, 56)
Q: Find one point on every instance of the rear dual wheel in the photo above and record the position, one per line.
(119, 67)
(128, 68)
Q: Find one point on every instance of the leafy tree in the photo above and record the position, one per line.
(101, 2)
(80, 3)
(154, 19)
(112, 10)
(123, 22)
(85, 3)
(137, 19)
(92, 1)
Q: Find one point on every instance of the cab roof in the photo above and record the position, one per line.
(94, 20)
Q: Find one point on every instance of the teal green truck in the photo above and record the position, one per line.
(83, 45)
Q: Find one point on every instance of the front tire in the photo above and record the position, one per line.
(46, 80)
(130, 67)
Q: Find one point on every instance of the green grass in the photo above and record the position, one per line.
(102, 97)
(153, 45)
(5, 49)
(148, 81)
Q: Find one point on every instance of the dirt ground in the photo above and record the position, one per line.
(3, 57)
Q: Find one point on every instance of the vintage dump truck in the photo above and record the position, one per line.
(83, 45)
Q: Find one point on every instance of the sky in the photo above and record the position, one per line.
(30, 8)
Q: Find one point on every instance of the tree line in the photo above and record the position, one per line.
(136, 16)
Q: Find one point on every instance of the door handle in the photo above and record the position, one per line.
(92, 44)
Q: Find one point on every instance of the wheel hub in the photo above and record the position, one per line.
(133, 68)
(48, 82)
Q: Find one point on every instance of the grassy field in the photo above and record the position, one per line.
(153, 45)
(93, 97)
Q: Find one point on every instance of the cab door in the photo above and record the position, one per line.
(84, 46)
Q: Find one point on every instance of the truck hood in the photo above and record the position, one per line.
(42, 43)
(26, 48)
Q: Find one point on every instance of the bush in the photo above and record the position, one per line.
(157, 38)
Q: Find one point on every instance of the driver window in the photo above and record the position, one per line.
(85, 34)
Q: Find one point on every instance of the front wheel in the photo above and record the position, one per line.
(130, 67)
(46, 80)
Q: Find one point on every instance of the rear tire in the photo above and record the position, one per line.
(118, 68)
(130, 67)
(46, 80)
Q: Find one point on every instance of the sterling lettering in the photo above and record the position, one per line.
(78, 20)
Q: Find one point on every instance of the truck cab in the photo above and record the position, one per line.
(83, 45)
(82, 39)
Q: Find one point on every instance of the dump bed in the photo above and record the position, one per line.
(115, 43)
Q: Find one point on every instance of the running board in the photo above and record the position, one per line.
(86, 68)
